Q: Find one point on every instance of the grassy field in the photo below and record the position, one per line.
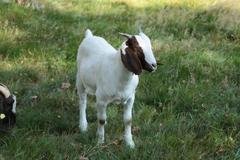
(189, 109)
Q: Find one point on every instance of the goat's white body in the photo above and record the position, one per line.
(102, 73)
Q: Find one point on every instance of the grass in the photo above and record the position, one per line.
(188, 109)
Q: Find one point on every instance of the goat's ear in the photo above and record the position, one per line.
(131, 61)
(125, 35)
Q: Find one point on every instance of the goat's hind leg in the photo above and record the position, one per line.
(82, 107)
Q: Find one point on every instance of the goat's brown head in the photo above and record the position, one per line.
(136, 53)
(7, 108)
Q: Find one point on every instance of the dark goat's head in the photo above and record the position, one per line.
(7, 108)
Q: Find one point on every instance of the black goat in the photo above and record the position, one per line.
(7, 108)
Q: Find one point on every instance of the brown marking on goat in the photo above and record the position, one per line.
(134, 59)
(131, 59)
(101, 121)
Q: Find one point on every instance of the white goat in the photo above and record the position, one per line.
(112, 76)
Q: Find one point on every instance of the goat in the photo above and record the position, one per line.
(112, 76)
(7, 108)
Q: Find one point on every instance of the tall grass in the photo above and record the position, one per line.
(188, 109)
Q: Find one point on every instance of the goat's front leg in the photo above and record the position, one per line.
(127, 118)
(101, 114)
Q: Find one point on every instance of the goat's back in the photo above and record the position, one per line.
(95, 46)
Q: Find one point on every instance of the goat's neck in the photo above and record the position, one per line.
(125, 76)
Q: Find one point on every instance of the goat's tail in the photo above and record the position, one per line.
(88, 33)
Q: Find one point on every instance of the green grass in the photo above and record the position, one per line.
(188, 109)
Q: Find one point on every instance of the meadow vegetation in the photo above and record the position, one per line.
(188, 109)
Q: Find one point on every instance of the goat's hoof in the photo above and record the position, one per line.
(100, 141)
(83, 128)
(130, 144)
